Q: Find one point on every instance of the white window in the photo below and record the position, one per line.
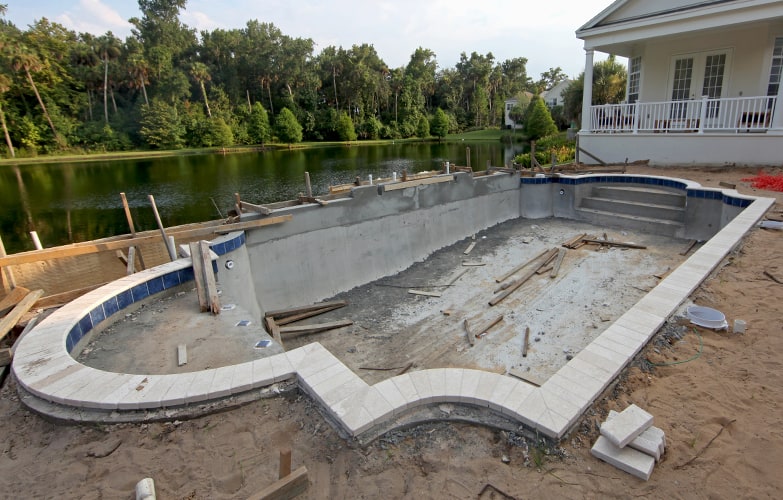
(634, 79)
(775, 69)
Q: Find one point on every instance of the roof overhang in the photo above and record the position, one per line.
(618, 36)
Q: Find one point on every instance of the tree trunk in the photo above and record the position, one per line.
(334, 84)
(43, 107)
(144, 91)
(7, 136)
(249, 106)
(105, 90)
(113, 101)
(269, 94)
(206, 103)
(89, 103)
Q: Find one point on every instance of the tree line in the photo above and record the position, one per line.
(167, 86)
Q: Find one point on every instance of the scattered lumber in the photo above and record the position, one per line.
(250, 207)
(573, 241)
(526, 377)
(315, 328)
(278, 314)
(458, 276)
(19, 310)
(556, 268)
(520, 267)
(289, 484)
(544, 269)
(309, 314)
(525, 342)
(13, 298)
(482, 330)
(425, 293)
(728, 185)
(613, 243)
(688, 247)
(471, 336)
(273, 330)
(6, 355)
(771, 276)
(513, 286)
(470, 248)
(418, 182)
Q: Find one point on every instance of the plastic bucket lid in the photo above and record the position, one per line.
(706, 317)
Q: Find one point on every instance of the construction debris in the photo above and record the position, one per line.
(316, 328)
(525, 341)
(289, 484)
(613, 243)
(630, 442)
(19, 310)
(425, 293)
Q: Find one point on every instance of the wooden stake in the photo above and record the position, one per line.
(198, 274)
(525, 342)
(307, 314)
(308, 187)
(425, 293)
(288, 487)
(471, 337)
(13, 298)
(131, 261)
(128, 216)
(285, 463)
(489, 324)
(496, 300)
(274, 330)
(171, 250)
(9, 274)
(291, 311)
(237, 204)
(470, 248)
(213, 298)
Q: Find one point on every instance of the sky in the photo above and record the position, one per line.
(539, 31)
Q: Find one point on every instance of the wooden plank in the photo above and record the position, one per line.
(128, 216)
(556, 268)
(525, 377)
(573, 241)
(274, 330)
(10, 281)
(727, 185)
(470, 248)
(482, 330)
(688, 247)
(471, 336)
(198, 274)
(6, 356)
(520, 267)
(613, 243)
(131, 261)
(250, 207)
(307, 314)
(289, 487)
(213, 299)
(526, 342)
(425, 293)
(285, 463)
(172, 252)
(185, 232)
(316, 328)
(13, 317)
(458, 276)
(516, 284)
(13, 298)
(544, 268)
(182, 355)
(418, 182)
(473, 263)
(290, 311)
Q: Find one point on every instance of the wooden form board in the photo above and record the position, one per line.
(13, 298)
(291, 311)
(288, 487)
(417, 182)
(13, 317)
(320, 327)
(184, 232)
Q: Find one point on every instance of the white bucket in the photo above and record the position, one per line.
(739, 326)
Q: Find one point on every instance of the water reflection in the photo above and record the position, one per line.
(70, 202)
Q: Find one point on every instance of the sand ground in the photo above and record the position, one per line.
(720, 412)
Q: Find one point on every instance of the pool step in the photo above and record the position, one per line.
(650, 225)
(648, 195)
(635, 208)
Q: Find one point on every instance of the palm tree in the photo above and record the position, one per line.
(200, 73)
(23, 59)
(5, 86)
(138, 69)
(108, 48)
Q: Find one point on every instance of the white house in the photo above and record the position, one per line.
(508, 121)
(554, 96)
(703, 82)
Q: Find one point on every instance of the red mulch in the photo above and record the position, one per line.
(766, 181)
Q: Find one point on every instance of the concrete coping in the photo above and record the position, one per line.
(45, 367)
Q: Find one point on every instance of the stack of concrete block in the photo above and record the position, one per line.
(629, 441)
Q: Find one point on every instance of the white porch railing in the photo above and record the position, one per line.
(731, 115)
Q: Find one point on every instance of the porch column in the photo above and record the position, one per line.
(587, 95)
(776, 126)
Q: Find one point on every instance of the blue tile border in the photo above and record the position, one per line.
(126, 298)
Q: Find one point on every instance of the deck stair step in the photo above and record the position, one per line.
(641, 195)
(635, 208)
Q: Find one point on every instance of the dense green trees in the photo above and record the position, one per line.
(609, 81)
(166, 86)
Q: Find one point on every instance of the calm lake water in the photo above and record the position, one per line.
(72, 202)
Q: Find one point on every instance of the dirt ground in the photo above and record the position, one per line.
(716, 395)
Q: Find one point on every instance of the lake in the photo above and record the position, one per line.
(72, 202)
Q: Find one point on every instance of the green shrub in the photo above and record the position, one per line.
(563, 148)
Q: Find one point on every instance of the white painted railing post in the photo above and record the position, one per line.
(703, 113)
(636, 112)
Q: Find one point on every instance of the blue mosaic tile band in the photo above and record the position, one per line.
(126, 298)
